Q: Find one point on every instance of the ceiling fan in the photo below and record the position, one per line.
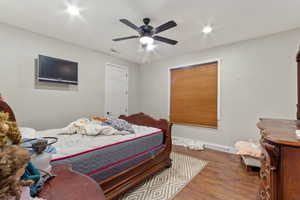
(147, 33)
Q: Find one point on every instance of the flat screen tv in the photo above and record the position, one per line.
(57, 70)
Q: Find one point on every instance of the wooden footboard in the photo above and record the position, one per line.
(120, 183)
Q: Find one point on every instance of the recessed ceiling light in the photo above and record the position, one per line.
(73, 10)
(146, 40)
(207, 29)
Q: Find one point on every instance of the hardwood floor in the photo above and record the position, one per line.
(224, 178)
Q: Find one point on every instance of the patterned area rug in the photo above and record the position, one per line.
(167, 183)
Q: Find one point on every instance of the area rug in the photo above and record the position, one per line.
(167, 183)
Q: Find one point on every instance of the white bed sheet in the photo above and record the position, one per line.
(73, 144)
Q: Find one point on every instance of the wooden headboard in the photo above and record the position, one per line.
(4, 107)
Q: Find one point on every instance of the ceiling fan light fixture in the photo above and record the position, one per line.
(150, 47)
(147, 33)
(146, 40)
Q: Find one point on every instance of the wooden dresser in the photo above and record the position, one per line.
(280, 172)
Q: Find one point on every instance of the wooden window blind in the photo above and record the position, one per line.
(194, 95)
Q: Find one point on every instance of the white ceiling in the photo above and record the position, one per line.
(233, 20)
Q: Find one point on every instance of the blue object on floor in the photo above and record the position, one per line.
(32, 173)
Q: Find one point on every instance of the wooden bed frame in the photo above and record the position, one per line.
(120, 183)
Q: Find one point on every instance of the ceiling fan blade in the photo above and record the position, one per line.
(126, 38)
(165, 40)
(130, 24)
(166, 26)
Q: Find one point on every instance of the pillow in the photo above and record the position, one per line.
(28, 132)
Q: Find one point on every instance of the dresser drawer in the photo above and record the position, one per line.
(290, 170)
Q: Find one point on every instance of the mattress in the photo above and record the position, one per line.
(103, 156)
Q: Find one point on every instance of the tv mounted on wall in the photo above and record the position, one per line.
(57, 70)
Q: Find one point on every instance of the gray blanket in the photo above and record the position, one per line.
(119, 124)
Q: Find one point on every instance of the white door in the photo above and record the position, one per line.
(116, 101)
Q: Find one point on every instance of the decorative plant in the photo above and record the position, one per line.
(9, 132)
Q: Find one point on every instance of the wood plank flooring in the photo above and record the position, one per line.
(224, 178)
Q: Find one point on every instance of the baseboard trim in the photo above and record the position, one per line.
(219, 147)
(181, 141)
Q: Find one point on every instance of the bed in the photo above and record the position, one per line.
(117, 163)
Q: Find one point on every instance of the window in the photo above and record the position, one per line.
(194, 95)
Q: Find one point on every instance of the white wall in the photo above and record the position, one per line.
(54, 106)
(258, 79)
